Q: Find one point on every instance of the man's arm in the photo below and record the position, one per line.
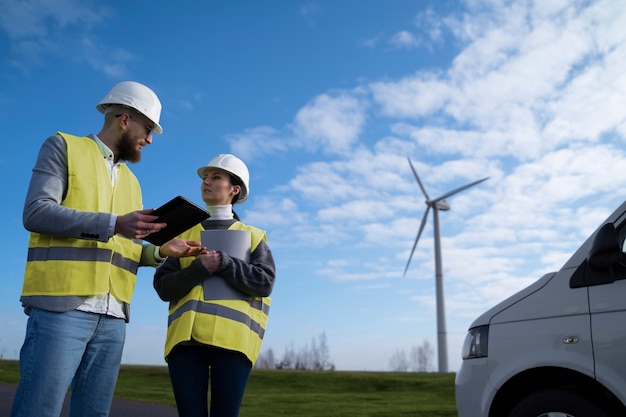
(43, 212)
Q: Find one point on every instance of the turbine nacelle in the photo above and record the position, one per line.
(442, 205)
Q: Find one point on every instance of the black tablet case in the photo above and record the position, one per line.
(180, 215)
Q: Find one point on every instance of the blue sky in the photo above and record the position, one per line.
(325, 100)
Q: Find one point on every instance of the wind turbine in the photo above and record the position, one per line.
(437, 204)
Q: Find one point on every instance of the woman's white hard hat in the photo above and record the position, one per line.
(232, 165)
(136, 96)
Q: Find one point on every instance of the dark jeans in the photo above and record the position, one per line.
(191, 368)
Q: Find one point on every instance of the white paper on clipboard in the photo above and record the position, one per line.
(236, 243)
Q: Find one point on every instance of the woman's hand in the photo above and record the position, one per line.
(211, 260)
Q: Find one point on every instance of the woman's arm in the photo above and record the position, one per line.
(172, 283)
(255, 278)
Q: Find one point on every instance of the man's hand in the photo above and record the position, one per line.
(180, 248)
(137, 224)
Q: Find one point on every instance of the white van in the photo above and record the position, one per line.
(558, 347)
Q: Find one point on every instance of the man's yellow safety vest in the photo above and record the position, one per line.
(62, 266)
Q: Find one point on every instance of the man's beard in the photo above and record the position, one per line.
(126, 149)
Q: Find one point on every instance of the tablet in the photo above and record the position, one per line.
(180, 215)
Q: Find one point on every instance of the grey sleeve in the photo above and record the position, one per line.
(43, 212)
(172, 283)
(255, 278)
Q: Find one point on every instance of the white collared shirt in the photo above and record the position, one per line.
(105, 303)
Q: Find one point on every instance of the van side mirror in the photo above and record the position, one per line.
(605, 250)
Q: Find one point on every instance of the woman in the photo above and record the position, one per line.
(218, 302)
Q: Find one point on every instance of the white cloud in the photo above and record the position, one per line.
(431, 24)
(271, 212)
(257, 142)
(405, 39)
(430, 27)
(330, 123)
(62, 29)
(523, 85)
(30, 18)
(373, 41)
(412, 97)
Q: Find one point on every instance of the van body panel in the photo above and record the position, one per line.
(555, 298)
(608, 307)
(487, 316)
(518, 346)
(474, 377)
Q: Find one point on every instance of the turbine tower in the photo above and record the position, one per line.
(437, 204)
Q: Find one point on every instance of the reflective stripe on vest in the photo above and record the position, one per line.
(225, 312)
(68, 253)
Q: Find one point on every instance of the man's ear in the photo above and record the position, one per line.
(123, 120)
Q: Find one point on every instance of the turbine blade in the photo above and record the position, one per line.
(419, 233)
(418, 180)
(458, 190)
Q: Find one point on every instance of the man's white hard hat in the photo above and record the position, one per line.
(232, 165)
(136, 96)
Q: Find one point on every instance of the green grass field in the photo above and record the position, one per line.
(304, 394)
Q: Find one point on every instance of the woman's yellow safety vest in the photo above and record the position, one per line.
(237, 325)
(62, 266)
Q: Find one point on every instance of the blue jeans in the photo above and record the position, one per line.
(75, 348)
(191, 367)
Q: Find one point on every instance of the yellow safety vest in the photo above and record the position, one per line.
(62, 266)
(237, 325)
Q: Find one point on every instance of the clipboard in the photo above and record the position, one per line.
(236, 243)
(180, 215)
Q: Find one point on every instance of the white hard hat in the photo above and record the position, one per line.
(233, 165)
(136, 96)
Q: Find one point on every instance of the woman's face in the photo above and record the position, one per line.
(217, 189)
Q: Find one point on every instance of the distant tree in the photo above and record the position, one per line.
(266, 360)
(313, 357)
(319, 355)
(322, 361)
(314, 362)
(289, 358)
(426, 356)
(399, 361)
(422, 357)
(303, 359)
